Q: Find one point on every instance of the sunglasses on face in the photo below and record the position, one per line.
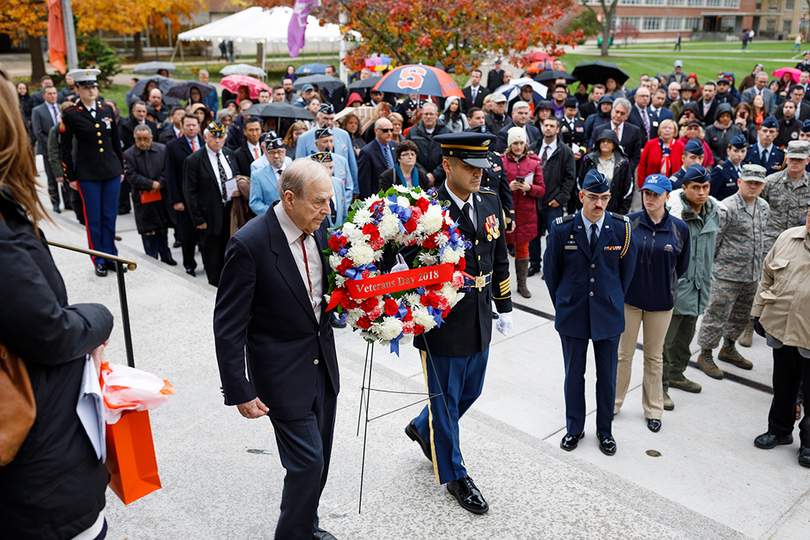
(386, 130)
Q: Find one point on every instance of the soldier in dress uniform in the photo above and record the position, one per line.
(764, 152)
(591, 251)
(572, 127)
(736, 270)
(725, 175)
(787, 192)
(99, 166)
(454, 356)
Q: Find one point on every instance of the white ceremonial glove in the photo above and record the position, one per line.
(400, 266)
(504, 323)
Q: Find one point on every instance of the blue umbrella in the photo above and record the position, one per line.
(311, 69)
(183, 89)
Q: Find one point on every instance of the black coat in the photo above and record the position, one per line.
(710, 116)
(503, 135)
(127, 128)
(244, 157)
(370, 166)
(167, 135)
(632, 141)
(621, 189)
(141, 169)
(429, 155)
(278, 344)
(495, 124)
(177, 151)
(387, 179)
(494, 79)
(55, 487)
(495, 179)
(467, 103)
(202, 190)
(559, 175)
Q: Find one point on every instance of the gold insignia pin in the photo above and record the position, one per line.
(485, 144)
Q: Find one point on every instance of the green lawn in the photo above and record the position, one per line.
(709, 46)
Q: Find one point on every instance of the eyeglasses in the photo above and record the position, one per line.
(604, 198)
(386, 130)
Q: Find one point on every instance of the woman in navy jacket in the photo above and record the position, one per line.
(663, 256)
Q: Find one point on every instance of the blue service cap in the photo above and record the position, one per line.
(595, 182)
(694, 146)
(696, 173)
(657, 183)
(806, 126)
(477, 129)
(326, 108)
(607, 98)
(770, 122)
(471, 148)
(739, 141)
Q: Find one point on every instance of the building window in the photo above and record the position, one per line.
(630, 21)
(727, 24)
(731, 3)
(770, 25)
(693, 23)
(759, 5)
(651, 23)
(675, 2)
(654, 2)
(694, 3)
(713, 3)
(674, 23)
(629, 2)
(773, 5)
(789, 5)
(787, 26)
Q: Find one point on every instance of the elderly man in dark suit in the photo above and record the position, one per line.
(177, 151)
(276, 260)
(631, 137)
(375, 158)
(475, 93)
(43, 118)
(206, 177)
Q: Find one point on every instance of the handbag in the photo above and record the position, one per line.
(131, 459)
(18, 408)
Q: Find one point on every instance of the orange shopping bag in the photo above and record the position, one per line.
(131, 457)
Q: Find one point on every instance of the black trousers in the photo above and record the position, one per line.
(189, 237)
(790, 371)
(213, 247)
(124, 203)
(305, 449)
(53, 185)
(157, 243)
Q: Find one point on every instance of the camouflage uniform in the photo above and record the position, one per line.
(788, 201)
(737, 267)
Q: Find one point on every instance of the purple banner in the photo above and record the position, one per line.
(296, 32)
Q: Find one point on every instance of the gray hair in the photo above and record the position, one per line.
(430, 104)
(141, 127)
(764, 74)
(299, 174)
(623, 102)
(520, 105)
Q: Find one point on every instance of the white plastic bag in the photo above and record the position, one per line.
(128, 389)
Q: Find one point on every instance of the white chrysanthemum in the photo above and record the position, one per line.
(362, 217)
(361, 255)
(404, 202)
(431, 221)
(441, 240)
(371, 200)
(412, 299)
(423, 318)
(335, 260)
(340, 281)
(450, 256)
(354, 235)
(401, 189)
(389, 226)
(449, 292)
(426, 259)
(388, 329)
(354, 316)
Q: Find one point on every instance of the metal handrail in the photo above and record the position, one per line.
(122, 289)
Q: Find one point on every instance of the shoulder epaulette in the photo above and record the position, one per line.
(484, 189)
(71, 108)
(100, 104)
(620, 217)
(721, 165)
(563, 219)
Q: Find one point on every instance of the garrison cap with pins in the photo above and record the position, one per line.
(321, 157)
(216, 129)
(739, 141)
(326, 108)
(694, 146)
(471, 148)
(696, 173)
(270, 139)
(595, 182)
(322, 133)
(85, 77)
(770, 122)
(753, 173)
(806, 126)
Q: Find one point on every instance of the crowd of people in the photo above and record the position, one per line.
(660, 203)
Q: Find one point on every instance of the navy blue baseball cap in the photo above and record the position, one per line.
(806, 126)
(471, 148)
(696, 173)
(595, 182)
(739, 141)
(657, 183)
(694, 146)
(770, 122)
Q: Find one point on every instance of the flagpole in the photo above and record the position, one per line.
(344, 73)
(70, 36)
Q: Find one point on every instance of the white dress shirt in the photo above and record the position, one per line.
(212, 157)
(457, 200)
(255, 150)
(551, 148)
(293, 235)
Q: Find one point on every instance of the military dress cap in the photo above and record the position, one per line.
(321, 157)
(471, 148)
(696, 173)
(606, 99)
(85, 77)
(216, 129)
(798, 150)
(694, 146)
(806, 126)
(657, 183)
(595, 182)
(326, 108)
(739, 141)
(477, 129)
(545, 104)
(571, 103)
(498, 98)
(322, 133)
(770, 122)
(270, 139)
(753, 173)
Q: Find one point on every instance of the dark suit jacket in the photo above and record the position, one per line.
(632, 141)
(167, 135)
(244, 157)
(177, 151)
(532, 132)
(41, 123)
(282, 347)
(494, 79)
(370, 165)
(709, 117)
(127, 129)
(467, 103)
(587, 109)
(338, 98)
(202, 190)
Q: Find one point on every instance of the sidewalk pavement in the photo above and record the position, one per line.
(222, 478)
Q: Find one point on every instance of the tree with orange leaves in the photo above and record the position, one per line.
(27, 20)
(455, 34)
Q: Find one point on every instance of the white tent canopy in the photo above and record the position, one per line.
(258, 25)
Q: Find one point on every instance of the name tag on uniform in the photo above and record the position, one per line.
(570, 246)
(668, 247)
(655, 124)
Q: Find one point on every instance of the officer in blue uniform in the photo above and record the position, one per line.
(589, 263)
(692, 154)
(325, 142)
(99, 165)
(724, 176)
(774, 157)
(454, 355)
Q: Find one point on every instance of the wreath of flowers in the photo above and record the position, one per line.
(401, 217)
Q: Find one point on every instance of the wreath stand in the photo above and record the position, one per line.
(365, 395)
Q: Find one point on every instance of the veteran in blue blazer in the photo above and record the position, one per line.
(264, 181)
(342, 142)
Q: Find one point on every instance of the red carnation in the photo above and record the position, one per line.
(462, 264)
(418, 329)
(391, 307)
(376, 243)
(410, 225)
(364, 322)
(408, 316)
(430, 242)
(334, 243)
(423, 204)
(371, 230)
(369, 304)
(345, 265)
(416, 213)
(346, 302)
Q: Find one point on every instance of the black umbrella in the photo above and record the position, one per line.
(183, 89)
(164, 84)
(551, 75)
(597, 72)
(371, 82)
(153, 67)
(279, 110)
(321, 81)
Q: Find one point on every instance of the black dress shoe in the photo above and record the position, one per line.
(57, 210)
(334, 321)
(768, 440)
(169, 261)
(654, 425)
(607, 445)
(511, 249)
(191, 272)
(569, 442)
(467, 495)
(414, 435)
(533, 270)
(804, 456)
(177, 244)
(101, 270)
(321, 534)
